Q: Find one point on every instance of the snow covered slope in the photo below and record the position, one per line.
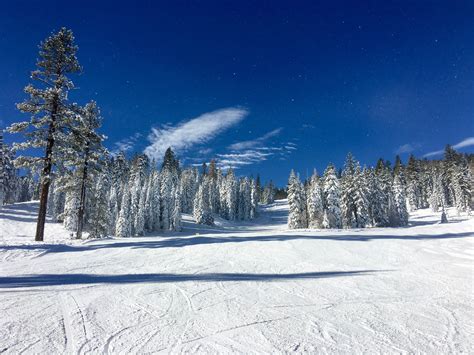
(254, 287)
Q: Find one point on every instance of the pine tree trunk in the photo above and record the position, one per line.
(42, 210)
(46, 177)
(80, 215)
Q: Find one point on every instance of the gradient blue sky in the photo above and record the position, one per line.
(301, 83)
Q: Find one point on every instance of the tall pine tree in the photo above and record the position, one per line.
(50, 111)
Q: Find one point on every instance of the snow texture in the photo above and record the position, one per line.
(248, 288)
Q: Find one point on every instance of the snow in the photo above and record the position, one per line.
(250, 287)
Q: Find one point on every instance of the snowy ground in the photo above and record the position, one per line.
(254, 288)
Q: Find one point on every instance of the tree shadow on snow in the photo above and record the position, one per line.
(418, 223)
(17, 216)
(83, 279)
(21, 212)
(188, 241)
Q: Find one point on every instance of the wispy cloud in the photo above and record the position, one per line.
(196, 131)
(254, 151)
(240, 159)
(467, 142)
(257, 142)
(405, 148)
(205, 151)
(126, 144)
(432, 154)
(246, 152)
(464, 143)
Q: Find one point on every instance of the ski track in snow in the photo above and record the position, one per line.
(255, 287)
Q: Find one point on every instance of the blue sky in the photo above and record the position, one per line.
(263, 86)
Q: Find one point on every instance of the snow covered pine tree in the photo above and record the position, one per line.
(297, 203)
(50, 111)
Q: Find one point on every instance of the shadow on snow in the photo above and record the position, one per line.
(180, 242)
(82, 279)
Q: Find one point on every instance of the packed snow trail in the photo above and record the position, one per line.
(245, 288)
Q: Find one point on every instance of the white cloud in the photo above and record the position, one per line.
(126, 144)
(467, 142)
(406, 148)
(270, 149)
(464, 143)
(253, 151)
(237, 160)
(247, 152)
(257, 142)
(205, 151)
(432, 154)
(195, 131)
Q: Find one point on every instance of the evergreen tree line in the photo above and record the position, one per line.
(267, 193)
(79, 183)
(129, 198)
(216, 193)
(380, 197)
(13, 187)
